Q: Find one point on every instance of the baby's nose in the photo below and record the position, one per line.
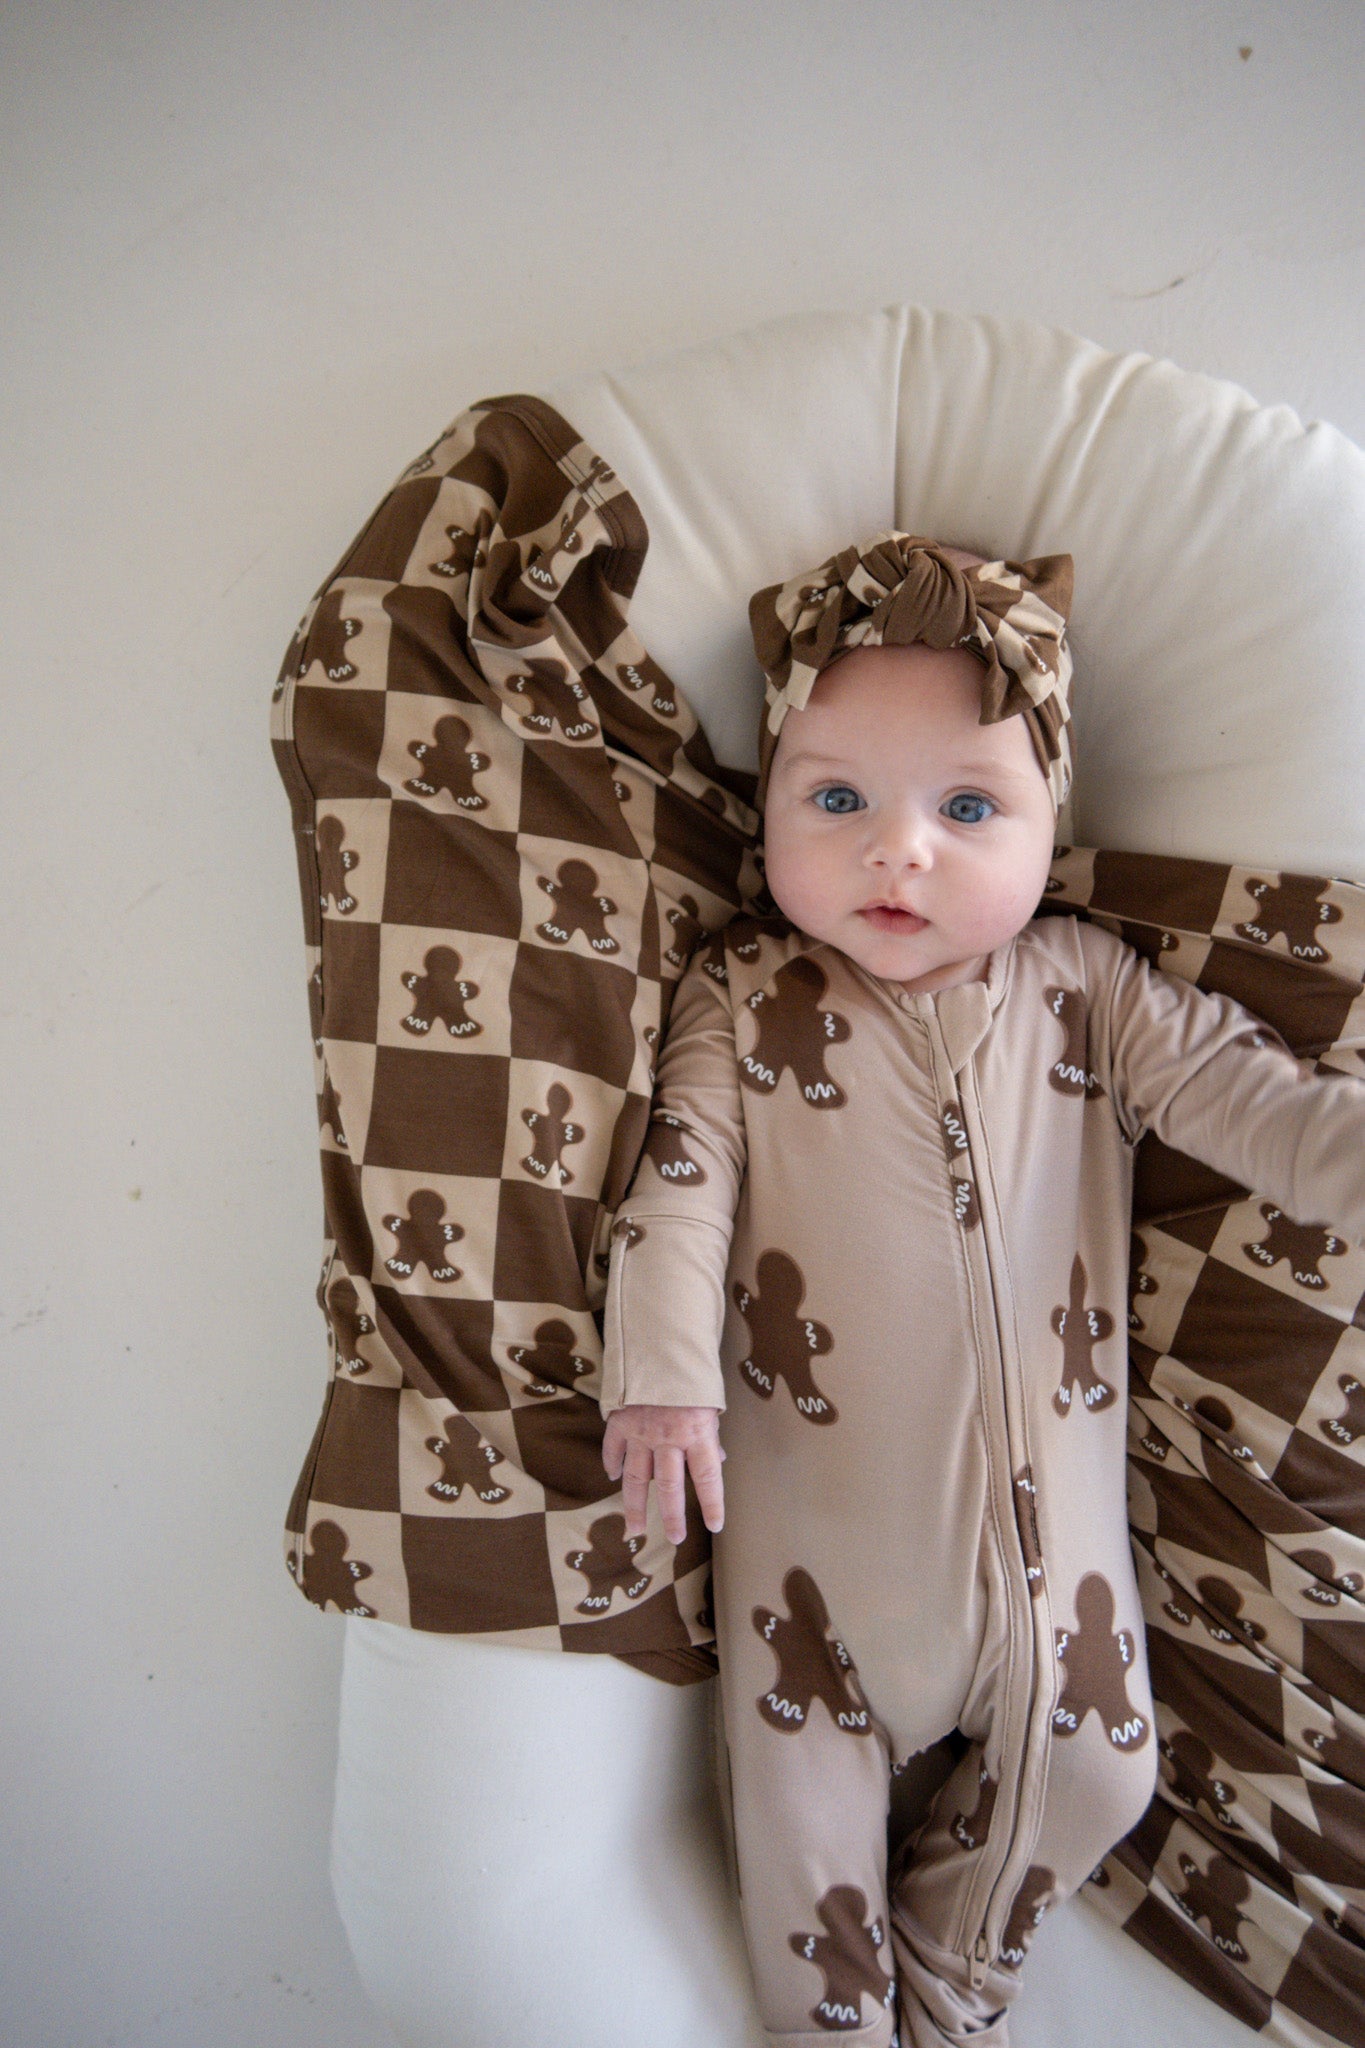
(903, 840)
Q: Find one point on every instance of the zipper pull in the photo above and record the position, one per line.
(980, 1958)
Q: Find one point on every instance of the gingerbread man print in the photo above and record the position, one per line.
(794, 1032)
(349, 1323)
(447, 762)
(812, 1664)
(328, 638)
(608, 1564)
(330, 1577)
(1071, 1073)
(1346, 1427)
(784, 1341)
(422, 1238)
(578, 908)
(846, 1955)
(1301, 1245)
(335, 862)
(1096, 1661)
(685, 918)
(551, 696)
(466, 1460)
(1292, 907)
(1034, 1898)
(1213, 1896)
(439, 996)
(969, 1830)
(1081, 1329)
(551, 1134)
(966, 1208)
(1189, 1776)
(551, 1362)
(665, 1148)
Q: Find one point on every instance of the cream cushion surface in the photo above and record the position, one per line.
(1219, 620)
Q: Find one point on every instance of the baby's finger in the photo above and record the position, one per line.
(704, 1462)
(670, 1486)
(613, 1448)
(635, 1477)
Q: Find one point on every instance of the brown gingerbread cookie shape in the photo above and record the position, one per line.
(846, 1955)
(348, 1323)
(551, 1134)
(422, 1238)
(1331, 1583)
(969, 1830)
(329, 637)
(1096, 1660)
(1026, 1521)
(667, 1152)
(447, 762)
(548, 696)
(608, 1564)
(439, 996)
(329, 1577)
(551, 1361)
(1346, 1427)
(1302, 1245)
(466, 1460)
(966, 1208)
(1174, 1608)
(1034, 1897)
(1081, 1329)
(335, 862)
(1140, 1281)
(1071, 1072)
(1226, 1623)
(626, 1232)
(329, 1113)
(794, 1031)
(812, 1663)
(1292, 907)
(784, 1342)
(466, 552)
(685, 918)
(578, 907)
(1213, 1895)
(1189, 1777)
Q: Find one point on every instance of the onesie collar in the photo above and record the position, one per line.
(966, 1011)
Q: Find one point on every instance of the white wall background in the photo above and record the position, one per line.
(256, 253)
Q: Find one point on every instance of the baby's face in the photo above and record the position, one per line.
(898, 827)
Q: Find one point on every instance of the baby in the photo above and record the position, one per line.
(882, 1221)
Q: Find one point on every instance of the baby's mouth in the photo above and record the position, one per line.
(890, 917)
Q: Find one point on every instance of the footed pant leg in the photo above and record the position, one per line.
(1099, 1766)
(809, 1800)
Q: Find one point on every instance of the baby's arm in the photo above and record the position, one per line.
(645, 1442)
(1214, 1082)
(661, 1380)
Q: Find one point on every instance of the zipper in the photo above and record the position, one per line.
(1026, 1707)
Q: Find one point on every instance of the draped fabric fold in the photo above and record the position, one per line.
(511, 835)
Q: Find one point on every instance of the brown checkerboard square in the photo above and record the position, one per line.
(339, 733)
(442, 1115)
(573, 1011)
(451, 872)
(475, 1575)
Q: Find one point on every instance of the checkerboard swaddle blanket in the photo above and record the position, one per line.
(1247, 1488)
(511, 833)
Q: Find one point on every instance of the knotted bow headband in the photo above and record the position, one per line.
(898, 588)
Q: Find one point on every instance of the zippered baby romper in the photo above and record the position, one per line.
(889, 1234)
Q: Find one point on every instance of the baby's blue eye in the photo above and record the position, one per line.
(838, 798)
(968, 809)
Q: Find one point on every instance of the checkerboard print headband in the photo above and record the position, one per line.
(898, 588)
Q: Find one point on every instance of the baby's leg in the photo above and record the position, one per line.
(960, 1943)
(809, 1800)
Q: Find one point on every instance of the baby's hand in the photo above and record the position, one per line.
(643, 1442)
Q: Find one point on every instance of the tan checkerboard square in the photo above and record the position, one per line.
(450, 1463)
(444, 992)
(456, 760)
(441, 1223)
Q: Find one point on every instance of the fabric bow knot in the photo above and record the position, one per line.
(899, 588)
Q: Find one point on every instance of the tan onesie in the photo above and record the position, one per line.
(888, 1233)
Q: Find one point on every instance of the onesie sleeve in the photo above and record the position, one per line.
(1215, 1082)
(671, 1240)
